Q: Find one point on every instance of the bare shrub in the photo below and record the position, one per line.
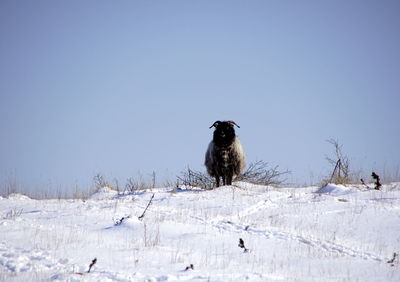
(341, 165)
(257, 173)
(139, 183)
(260, 173)
(132, 185)
(13, 213)
(196, 179)
(99, 181)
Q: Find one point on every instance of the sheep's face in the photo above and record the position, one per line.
(224, 133)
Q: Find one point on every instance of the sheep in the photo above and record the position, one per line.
(225, 156)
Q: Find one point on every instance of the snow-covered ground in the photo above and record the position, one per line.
(292, 234)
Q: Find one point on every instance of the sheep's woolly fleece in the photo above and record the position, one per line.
(336, 233)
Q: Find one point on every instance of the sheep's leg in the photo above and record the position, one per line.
(224, 179)
(229, 180)
(217, 179)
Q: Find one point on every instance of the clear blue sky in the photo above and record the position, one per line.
(118, 87)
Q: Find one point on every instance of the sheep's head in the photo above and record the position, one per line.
(224, 133)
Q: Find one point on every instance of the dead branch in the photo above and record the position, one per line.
(92, 264)
(363, 183)
(144, 212)
(376, 177)
(393, 259)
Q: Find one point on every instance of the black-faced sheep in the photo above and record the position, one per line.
(225, 156)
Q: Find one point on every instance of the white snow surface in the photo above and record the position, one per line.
(337, 233)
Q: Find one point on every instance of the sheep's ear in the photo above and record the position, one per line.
(215, 124)
(233, 123)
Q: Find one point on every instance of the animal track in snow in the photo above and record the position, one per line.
(283, 235)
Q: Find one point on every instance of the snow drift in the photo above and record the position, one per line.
(337, 233)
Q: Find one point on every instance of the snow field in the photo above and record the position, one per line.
(293, 234)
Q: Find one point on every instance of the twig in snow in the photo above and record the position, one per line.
(241, 245)
(119, 221)
(91, 265)
(393, 259)
(144, 212)
(189, 267)
(363, 183)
